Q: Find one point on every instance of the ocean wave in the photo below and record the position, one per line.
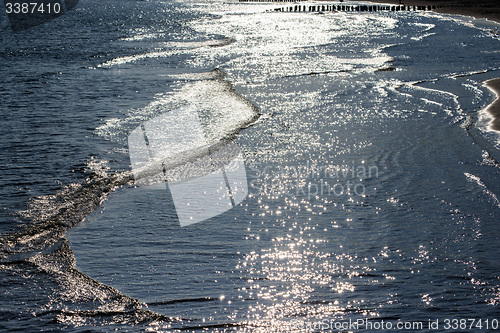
(222, 111)
(54, 214)
(193, 44)
(40, 248)
(486, 190)
(137, 57)
(171, 48)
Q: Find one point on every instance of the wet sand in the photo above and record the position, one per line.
(481, 9)
(494, 108)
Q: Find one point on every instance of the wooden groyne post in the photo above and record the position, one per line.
(344, 8)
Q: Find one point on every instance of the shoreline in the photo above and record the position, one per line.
(493, 109)
(489, 10)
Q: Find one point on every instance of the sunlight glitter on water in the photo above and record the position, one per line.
(287, 277)
(299, 248)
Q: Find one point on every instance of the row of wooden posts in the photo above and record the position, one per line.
(270, 0)
(356, 8)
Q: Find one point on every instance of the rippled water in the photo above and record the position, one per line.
(372, 176)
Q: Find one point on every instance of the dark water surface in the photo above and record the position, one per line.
(373, 178)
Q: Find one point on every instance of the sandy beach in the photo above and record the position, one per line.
(494, 108)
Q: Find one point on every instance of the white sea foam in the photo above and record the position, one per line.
(221, 110)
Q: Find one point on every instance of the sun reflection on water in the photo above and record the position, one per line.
(297, 278)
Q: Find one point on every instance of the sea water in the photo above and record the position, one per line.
(373, 179)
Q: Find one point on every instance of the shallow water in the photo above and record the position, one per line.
(370, 196)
